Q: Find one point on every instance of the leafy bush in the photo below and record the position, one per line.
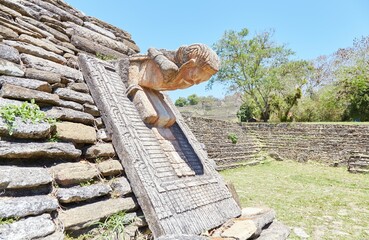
(233, 137)
(193, 99)
(181, 102)
(26, 111)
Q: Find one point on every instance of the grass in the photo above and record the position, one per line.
(328, 203)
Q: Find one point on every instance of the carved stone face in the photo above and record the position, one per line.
(196, 75)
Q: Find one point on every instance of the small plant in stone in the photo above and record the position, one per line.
(105, 57)
(7, 220)
(113, 226)
(26, 111)
(233, 137)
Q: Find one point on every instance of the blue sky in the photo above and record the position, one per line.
(310, 28)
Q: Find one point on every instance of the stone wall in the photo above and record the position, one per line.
(332, 144)
(214, 135)
(57, 178)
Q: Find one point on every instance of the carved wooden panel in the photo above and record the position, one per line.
(172, 204)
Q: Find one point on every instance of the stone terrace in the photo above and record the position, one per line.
(55, 187)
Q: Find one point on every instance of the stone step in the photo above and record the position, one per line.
(25, 130)
(27, 83)
(67, 114)
(233, 159)
(78, 193)
(22, 93)
(66, 174)
(15, 150)
(23, 177)
(236, 165)
(26, 206)
(29, 228)
(81, 217)
(76, 132)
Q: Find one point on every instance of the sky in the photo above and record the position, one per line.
(309, 27)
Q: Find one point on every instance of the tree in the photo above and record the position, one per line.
(260, 69)
(181, 102)
(193, 99)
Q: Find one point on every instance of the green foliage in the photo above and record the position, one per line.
(113, 225)
(8, 220)
(233, 137)
(87, 183)
(354, 88)
(193, 99)
(181, 102)
(54, 138)
(26, 111)
(260, 69)
(246, 112)
(105, 57)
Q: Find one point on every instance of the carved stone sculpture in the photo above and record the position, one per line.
(176, 185)
(167, 70)
(170, 70)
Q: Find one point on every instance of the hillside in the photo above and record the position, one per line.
(220, 109)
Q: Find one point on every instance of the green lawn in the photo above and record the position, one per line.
(328, 203)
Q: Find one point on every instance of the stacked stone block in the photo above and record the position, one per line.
(214, 135)
(52, 188)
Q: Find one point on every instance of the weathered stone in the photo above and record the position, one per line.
(38, 150)
(72, 60)
(81, 217)
(43, 75)
(91, 109)
(58, 235)
(45, 34)
(26, 82)
(110, 167)
(15, 5)
(147, 165)
(24, 177)
(9, 68)
(99, 122)
(93, 47)
(121, 187)
(260, 216)
(98, 38)
(26, 206)
(70, 104)
(36, 51)
(75, 132)
(67, 114)
(78, 193)
(98, 29)
(58, 35)
(276, 231)
(300, 233)
(117, 31)
(74, 173)
(25, 130)
(46, 65)
(240, 230)
(47, 19)
(136, 219)
(70, 46)
(16, 92)
(9, 11)
(9, 53)
(45, 44)
(29, 228)
(65, 16)
(71, 95)
(4, 102)
(79, 87)
(17, 28)
(100, 150)
(8, 33)
(182, 237)
(103, 135)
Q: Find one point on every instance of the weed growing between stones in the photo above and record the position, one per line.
(54, 138)
(113, 226)
(105, 57)
(233, 137)
(8, 220)
(26, 111)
